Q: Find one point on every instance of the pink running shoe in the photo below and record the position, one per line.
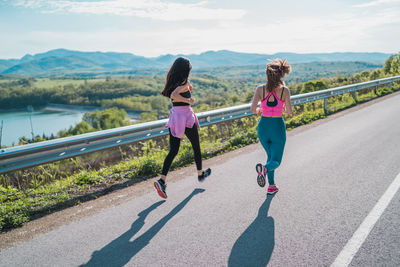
(272, 189)
(261, 173)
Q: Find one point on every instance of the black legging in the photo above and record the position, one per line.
(175, 142)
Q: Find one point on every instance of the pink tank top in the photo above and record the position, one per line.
(274, 108)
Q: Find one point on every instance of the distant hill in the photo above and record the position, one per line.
(5, 64)
(62, 62)
(301, 72)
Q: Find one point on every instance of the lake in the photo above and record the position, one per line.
(17, 123)
(47, 120)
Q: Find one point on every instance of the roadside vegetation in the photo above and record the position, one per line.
(214, 87)
(29, 194)
(218, 88)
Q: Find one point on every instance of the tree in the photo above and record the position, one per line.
(356, 78)
(81, 128)
(392, 65)
(25, 82)
(23, 140)
(160, 104)
(308, 87)
(248, 96)
(365, 74)
(388, 64)
(148, 116)
(395, 66)
(376, 74)
(106, 119)
(320, 85)
(234, 98)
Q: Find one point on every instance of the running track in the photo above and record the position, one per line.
(332, 176)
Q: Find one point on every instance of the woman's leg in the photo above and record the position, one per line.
(174, 143)
(272, 135)
(277, 146)
(193, 136)
(274, 160)
(266, 143)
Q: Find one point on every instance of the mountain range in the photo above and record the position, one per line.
(63, 62)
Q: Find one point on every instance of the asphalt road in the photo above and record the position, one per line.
(331, 177)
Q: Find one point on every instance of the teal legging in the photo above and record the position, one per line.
(272, 135)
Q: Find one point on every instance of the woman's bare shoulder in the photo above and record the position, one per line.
(280, 90)
(260, 88)
(184, 88)
(285, 92)
(181, 88)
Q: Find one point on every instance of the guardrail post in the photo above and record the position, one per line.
(355, 96)
(326, 106)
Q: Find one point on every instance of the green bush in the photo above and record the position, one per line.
(243, 139)
(149, 166)
(381, 91)
(88, 178)
(14, 214)
(9, 193)
(304, 118)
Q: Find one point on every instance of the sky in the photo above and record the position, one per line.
(156, 27)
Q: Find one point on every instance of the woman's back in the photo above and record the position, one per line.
(272, 103)
(186, 94)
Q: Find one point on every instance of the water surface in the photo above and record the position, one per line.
(17, 123)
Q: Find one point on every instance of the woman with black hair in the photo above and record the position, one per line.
(182, 120)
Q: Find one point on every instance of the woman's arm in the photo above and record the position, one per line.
(175, 95)
(288, 103)
(256, 99)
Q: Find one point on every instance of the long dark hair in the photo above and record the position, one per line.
(177, 75)
(275, 71)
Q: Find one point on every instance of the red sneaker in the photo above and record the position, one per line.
(272, 189)
(160, 187)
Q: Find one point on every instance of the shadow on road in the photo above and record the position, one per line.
(121, 250)
(255, 245)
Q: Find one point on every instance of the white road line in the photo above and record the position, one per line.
(353, 245)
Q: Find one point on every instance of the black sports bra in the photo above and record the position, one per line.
(273, 103)
(186, 94)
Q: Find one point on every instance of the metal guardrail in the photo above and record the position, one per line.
(19, 157)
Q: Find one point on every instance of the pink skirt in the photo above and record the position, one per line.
(181, 117)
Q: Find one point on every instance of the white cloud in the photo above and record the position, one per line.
(338, 33)
(154, 9)
(351, 30)
(377, 2)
